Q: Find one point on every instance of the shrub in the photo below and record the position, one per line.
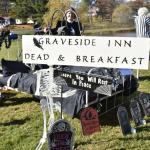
(122, 14)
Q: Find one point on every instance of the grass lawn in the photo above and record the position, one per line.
(107, 28)
(21, 123)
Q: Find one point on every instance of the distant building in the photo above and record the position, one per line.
(30, 21)
(19, 21)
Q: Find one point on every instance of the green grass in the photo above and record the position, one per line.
(13, 52)
(107, 28)
(21, 122)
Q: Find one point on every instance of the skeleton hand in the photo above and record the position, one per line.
(55, 90)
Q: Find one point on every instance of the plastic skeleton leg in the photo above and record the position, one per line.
(50, 110)
(44, 106)
(51, 107)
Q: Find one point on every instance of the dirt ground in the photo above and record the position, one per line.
(23, 26)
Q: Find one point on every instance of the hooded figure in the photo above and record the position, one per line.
(142, 23)
(69, 25)
(143, 11)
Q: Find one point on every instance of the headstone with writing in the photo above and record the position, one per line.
(60, 136)
(144, 100)
(96, 83)
(89, 121)
(124, 120)
(136, 113)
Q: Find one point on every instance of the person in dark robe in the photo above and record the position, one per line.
(69, 25)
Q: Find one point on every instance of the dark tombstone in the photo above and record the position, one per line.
(95, 83)
(144, 100)
(89, 121)
(60, 136)
(124, 121)
(136, 113)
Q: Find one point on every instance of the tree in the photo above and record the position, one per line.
(23, 9)
(4, 7)
(39, 8)
(83, 11)
(106, 8)
(122, 14)
(28, 8)
(52, 6)
(86, 2)
(135, 5)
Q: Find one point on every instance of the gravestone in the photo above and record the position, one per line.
(144, 100)
(124, 121)
(136, 113)
(60, 136)
(95, 83)
(89, 121)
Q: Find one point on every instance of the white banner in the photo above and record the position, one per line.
(111, 52)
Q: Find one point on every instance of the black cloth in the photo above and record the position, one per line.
(36, 25)
(73, 104)
(3, 81)
(40, 66)
(5, 33)
(5, 37)
(12, 67)
(72, 28)
(26, 82)
(13, 36)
